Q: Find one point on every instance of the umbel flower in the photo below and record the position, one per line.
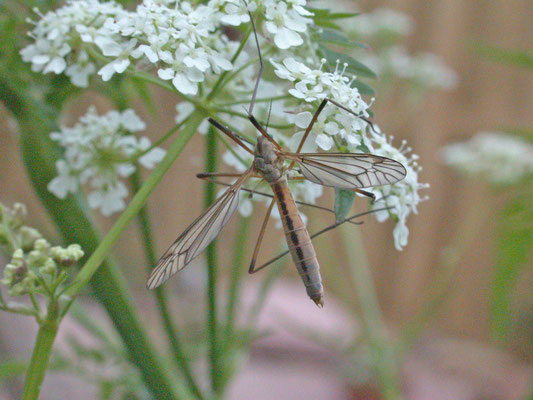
(186, 44)
(183, 43)
(99, 151)
(500, 158)
(338, 131)
(35, 265)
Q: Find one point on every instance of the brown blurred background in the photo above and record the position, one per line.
(489, 96)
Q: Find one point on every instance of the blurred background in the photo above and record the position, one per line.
(439, 292)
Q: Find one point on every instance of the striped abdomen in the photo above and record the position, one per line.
(300, 246)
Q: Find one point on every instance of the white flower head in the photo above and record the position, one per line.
(338, 130)
(99, 152)
(501, 158)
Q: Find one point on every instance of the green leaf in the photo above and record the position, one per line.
(354, 66)
(517, 58)
(326, 19)
(323, 13)
(363, 148)
(339, 38)
(363, 88)
(343, 203)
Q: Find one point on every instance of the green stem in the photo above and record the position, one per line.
(93, 263)
(374, 329)
(36, 120)
(41, 352)
(245, 116)
(155, 375)
(239, 247)
(179, 355)
(274, 271)
(211, 257)
(259, 100)
(215, 89)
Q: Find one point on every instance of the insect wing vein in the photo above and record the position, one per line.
(348, 171)
(197, 236)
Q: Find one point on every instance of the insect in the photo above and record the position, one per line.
(339, 170)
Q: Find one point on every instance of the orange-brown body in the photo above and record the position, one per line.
(270, 166)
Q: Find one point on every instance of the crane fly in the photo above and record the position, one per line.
(350, 171)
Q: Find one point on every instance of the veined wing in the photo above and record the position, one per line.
(198, 235)
(348, 170)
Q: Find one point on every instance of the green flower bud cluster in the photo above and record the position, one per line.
(35, 266)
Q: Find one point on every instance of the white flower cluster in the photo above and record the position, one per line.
(184, 43)
(383, 28)
(313, 86)
(338, 130)
(424, 69)
(501, 158)
(99, 150)
(57, 36)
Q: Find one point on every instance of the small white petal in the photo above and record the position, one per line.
(57, 65)
(286, 38)
(121, 65)
(303, 119)
(325, 142)
(166, 74)
(107, 71)
(184, 85)
(153, 157)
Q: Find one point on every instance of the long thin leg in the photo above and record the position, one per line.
(256, 87)
(326, 229)
(210, 177)
(365, 193)
(351, 112)
(310, 126)
(315, 117)
(251, 270)
(232, 135)
(252, 102)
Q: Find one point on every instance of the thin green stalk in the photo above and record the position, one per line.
(260, 100)
(239, 247)
(169, 326)
(245, 116)
(41, 352)
(93, 263)
(36, 119)
(374, 329)
(211, 257)
(244, 66)
(274, 271)
(215, 90)
(163, 138)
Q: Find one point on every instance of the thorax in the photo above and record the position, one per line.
(266, 161)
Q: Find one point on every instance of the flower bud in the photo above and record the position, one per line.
(28, 236)
(49, 268)
(67, 257)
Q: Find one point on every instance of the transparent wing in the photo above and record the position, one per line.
(348, 171)
(197, 236)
